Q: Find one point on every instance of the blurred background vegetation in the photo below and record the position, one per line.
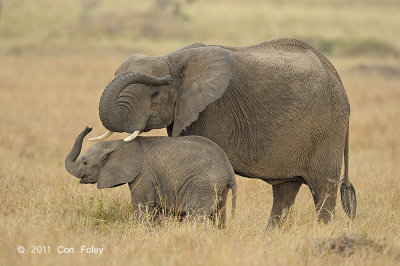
(335, 27)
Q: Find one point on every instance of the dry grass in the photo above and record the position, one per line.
(48, 94)
(46, 102)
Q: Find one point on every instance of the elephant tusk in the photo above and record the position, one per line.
(132, 136)
(104, 136)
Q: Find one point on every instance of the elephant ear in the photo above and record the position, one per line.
(206, 73)
(121, 166)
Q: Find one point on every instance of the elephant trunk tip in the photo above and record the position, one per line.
(70, 164)
(87, 130)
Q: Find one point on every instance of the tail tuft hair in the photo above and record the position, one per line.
(347, 192)
(349, 200)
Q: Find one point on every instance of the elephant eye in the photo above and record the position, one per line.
(84, 162)
(155, 94)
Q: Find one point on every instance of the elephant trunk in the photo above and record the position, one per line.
(111, 117)
(70, 161)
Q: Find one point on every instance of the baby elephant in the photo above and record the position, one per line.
(175, 175)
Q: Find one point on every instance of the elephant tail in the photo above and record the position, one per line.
(347, 192)
(233, 187)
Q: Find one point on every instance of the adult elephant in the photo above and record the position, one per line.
(278, 109)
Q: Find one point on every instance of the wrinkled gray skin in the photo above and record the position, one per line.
(278, 109)
(184, 175)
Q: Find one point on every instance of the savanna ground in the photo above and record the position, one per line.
(56, 59)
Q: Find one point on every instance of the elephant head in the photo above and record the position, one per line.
(168, 91)
(108, 163)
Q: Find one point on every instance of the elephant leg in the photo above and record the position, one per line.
(324, 194)
(146, 212)
(199, 215)
(219, 215)
(324, 174)
(200, 207)
(284, 195)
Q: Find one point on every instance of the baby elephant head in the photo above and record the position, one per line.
(108, 163)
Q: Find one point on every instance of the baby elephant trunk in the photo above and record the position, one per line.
(70, 161)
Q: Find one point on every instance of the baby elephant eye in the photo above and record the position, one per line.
(155, 94)
(84, 162)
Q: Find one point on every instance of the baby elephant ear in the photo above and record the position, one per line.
(122, 166)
